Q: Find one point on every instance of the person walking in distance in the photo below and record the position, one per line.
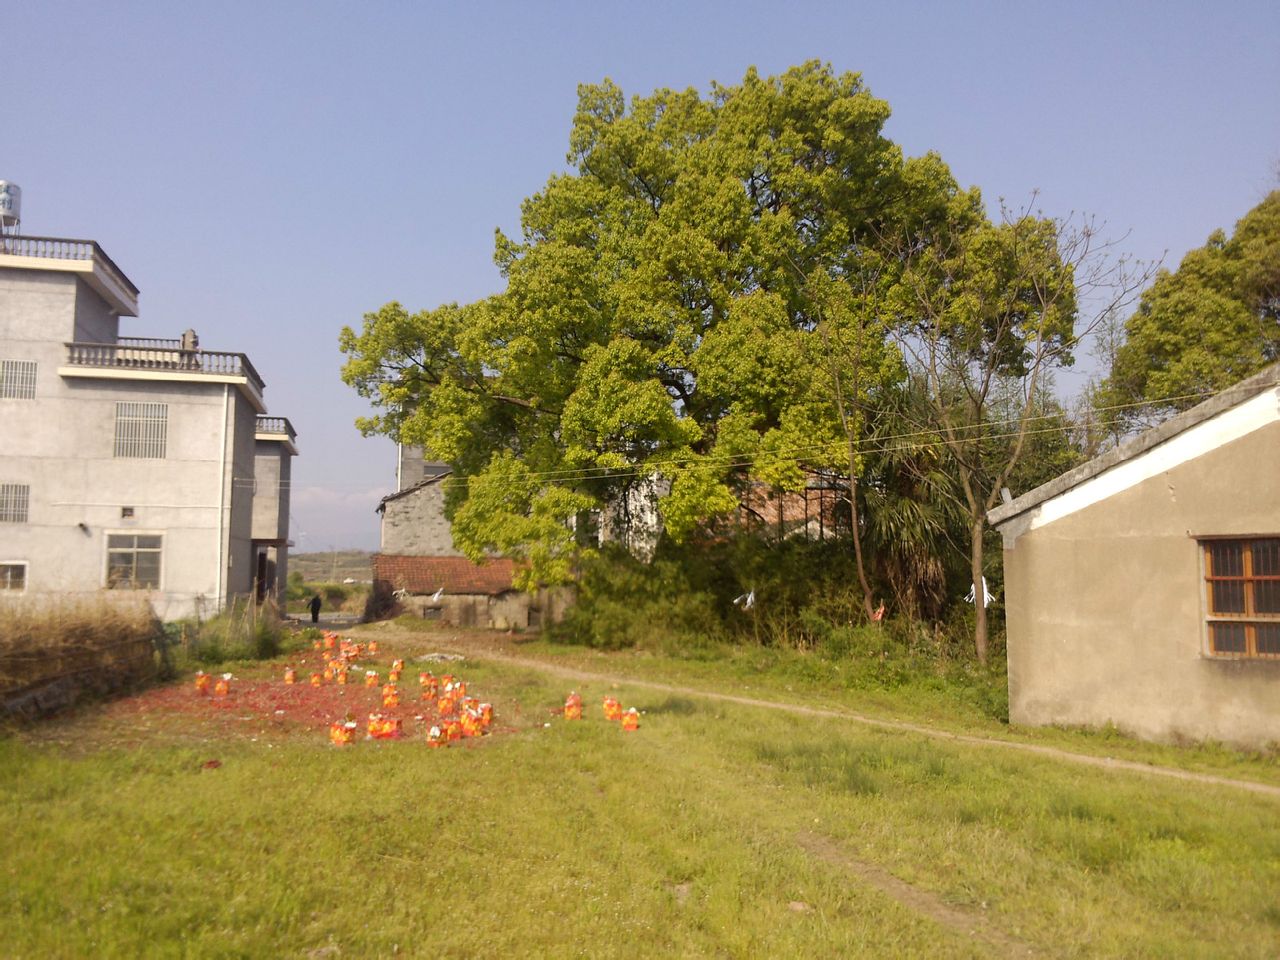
(314, 605)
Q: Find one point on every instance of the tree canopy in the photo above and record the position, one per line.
(662, 310)
(1205, 326)
(728, 290)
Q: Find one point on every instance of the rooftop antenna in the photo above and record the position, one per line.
(10, 208)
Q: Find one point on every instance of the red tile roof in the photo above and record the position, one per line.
(457, 575)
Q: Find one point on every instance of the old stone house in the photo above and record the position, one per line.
(419, 564)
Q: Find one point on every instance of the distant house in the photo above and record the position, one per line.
(1143, 588)
(419, 564)
(128, 464)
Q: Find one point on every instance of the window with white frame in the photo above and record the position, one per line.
(13, 576)
(141, 430)
(17, 379)
(133, 561)
(1242, 587)
(14, 501)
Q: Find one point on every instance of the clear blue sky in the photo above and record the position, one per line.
(268, 172)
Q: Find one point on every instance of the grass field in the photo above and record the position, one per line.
(717, 829)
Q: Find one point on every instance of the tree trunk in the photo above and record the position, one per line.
(857, 546)
(979, 594)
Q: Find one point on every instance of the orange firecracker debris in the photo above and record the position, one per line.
(342, 676)
(452, 730)
(317, 645)
(371, 678)
(470, 723)
(382, 727)
(573, 707)
(390, 696)
(343, 733)
(202, 682)
(373, 646)
(486, 714)
(435, 737)
(631, 720)
(446, 705)
(330, 640)
(612, 709)
(223, 687)
(317, 679)
(290, 675)
(394, 676)
(397, 664)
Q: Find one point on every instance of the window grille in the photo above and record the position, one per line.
(1242, 585)
(133, 561)
(13, 576)
(17, 379)
(141, 430)
(14, 499)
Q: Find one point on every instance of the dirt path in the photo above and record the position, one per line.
(488, 651)
(966, 923)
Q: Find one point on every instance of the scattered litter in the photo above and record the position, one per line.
(573, 706)
(631, 720)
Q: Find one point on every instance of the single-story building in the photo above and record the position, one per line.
(465, 594)
(1142, 588)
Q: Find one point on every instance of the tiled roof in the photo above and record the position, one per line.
(457, 575)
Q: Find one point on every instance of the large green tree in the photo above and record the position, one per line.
(1212, 322)
(699, 298)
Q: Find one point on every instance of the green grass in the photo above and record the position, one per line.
(715, 830)
(959, 698)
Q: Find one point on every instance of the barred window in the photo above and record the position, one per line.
(141, 430)
(133, 561)
(13, 576)
(14, 498)
(17, 379)
(1242, 586)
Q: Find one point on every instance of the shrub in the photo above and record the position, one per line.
(244, 631)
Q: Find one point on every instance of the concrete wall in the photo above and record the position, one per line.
(415, 525)
(272, 471)
(61, 445)
(95, 322)
(412, 468)
(1106, 606)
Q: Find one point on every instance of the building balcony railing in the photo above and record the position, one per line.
(56, 248)
(126, 355)
(276, 425)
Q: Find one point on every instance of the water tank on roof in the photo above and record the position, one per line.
(10, 205)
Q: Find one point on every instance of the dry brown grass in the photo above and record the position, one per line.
(53, 651)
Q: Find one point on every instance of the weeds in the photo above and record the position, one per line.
(244, 631)
(53, 652)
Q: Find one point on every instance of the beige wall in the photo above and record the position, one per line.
(1106, 606)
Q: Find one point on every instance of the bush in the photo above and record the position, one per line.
(244, 631)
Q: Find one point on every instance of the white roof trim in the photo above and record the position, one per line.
(1229, 425)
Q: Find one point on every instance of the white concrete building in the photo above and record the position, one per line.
(129, 464)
